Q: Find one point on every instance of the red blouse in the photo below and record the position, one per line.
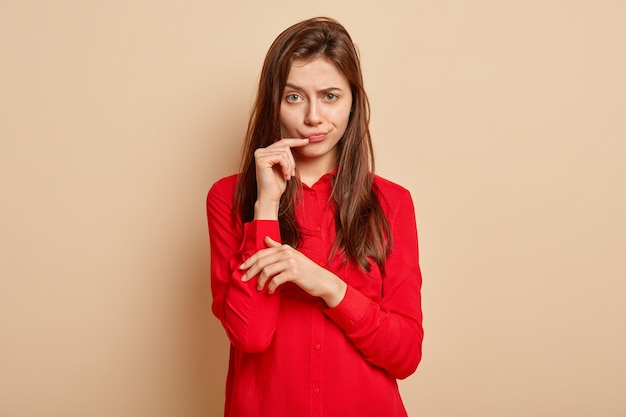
(291, 355)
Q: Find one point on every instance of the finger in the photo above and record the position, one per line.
(292, 142)
(280, 156)
(271, 243)
(289, 165)
(285, 264)
(277, 271)
(261, 264)
(295, 143)
(259, 255)
(259, 261)
(267, 274)
(276, 282)
(268, 157)
(278, 260)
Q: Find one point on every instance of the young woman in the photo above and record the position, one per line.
(314, 259)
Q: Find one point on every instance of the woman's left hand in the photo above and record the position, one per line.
(278, 264)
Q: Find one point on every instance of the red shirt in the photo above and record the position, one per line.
(291, 355)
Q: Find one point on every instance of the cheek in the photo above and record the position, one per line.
(284, 124)
(342, 116)
(287, 118)
(342, 112)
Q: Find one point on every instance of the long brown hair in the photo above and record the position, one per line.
(362, 228)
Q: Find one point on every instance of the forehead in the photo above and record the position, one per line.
(319, 72)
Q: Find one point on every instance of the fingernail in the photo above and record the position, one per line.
(244, 277)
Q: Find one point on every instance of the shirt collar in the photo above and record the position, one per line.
(324, 181)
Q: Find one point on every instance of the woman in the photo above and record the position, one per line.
(314, 259)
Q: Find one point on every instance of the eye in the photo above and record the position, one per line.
(292, 98)
(331, 97)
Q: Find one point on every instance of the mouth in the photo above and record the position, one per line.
(316, 137)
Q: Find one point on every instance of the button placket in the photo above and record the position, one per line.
(317, 360)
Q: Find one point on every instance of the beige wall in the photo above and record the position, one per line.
(506, 120)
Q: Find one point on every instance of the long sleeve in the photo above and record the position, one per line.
(248, 316)
(388, 332)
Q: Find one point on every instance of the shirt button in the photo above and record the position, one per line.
(316, 390)
(318, 346)
(323, 264)
(317, 229)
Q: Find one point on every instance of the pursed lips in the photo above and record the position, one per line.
(316, 136)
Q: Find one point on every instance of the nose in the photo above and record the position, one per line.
(313, 116)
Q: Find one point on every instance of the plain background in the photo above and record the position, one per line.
(505, 119)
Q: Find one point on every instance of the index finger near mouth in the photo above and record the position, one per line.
(294, 142)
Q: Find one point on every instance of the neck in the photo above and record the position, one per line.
(311, 170)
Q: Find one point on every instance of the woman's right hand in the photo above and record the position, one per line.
(275, 165)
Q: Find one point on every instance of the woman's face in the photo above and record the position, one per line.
(316, 104)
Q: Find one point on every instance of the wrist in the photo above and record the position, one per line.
(335, 292)
(264, 210)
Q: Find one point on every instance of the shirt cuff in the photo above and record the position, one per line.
(349, 312)
(256, 231)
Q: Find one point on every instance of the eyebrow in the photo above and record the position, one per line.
(324, 90)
